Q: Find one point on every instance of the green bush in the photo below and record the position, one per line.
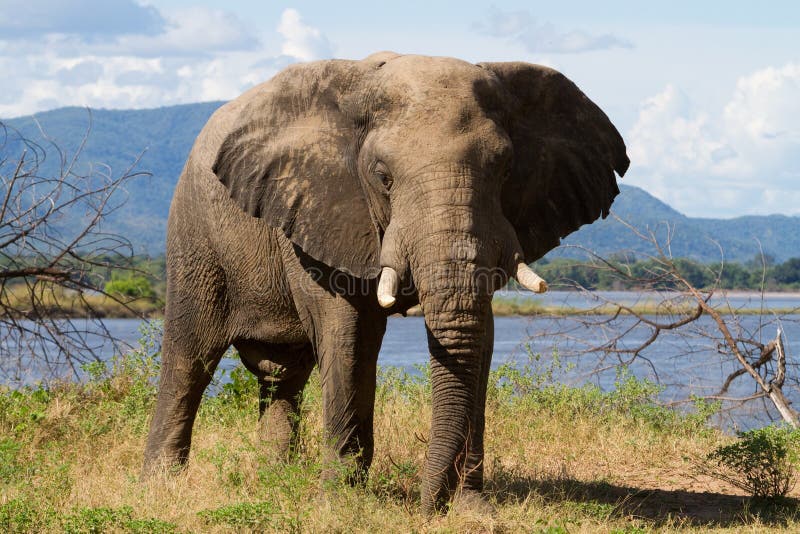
(9, 449)
(103, 519)
(131, 286)
(24, 515)
(762, 462)
(256, 515)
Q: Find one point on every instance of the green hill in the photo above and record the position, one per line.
(164, 136)
(697, 238)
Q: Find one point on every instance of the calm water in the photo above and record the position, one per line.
(684, 364)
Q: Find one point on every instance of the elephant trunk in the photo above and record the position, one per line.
(458, 321)
(458, 251)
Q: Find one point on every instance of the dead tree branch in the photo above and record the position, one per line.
(696, 317)
(53, 248)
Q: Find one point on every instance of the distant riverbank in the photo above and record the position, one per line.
(58, 303)
(506, 303)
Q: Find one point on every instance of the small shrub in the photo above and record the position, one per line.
(138, 370)
(9, 449)
(242, 387)
(90, 520)
(762, 462)
(556, 528)
(703, 411)
(103, 519)
(131, 286)
(23, 409)
(227, 462)
(396, 381)
(150, 526)
(247, 515)
(20, 515)
(399, 480)
(638, 397)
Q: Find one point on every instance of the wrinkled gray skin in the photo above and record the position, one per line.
(297, 193)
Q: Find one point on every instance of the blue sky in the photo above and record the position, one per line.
(706, 94)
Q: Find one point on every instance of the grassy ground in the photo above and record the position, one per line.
(558, 460)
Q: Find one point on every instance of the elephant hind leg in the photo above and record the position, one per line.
(188, 364)
(282, 371)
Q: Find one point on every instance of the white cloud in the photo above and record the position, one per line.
(743, 160)
(671, 136)
(300, 40)
(199, 55)
(543, 37)
(80, 73)
(195, 31)
(763, 121)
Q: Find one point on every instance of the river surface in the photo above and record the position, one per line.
(685, 363)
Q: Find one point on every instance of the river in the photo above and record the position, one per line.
(685, 363)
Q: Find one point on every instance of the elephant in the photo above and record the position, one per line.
(340, 192)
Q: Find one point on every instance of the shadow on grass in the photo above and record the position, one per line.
(660, 507)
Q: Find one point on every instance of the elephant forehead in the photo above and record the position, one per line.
(444, 139)
(433, 71)
(430, 81)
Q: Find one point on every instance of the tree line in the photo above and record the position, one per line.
(621, 272)
(145, 276)
(141, 276)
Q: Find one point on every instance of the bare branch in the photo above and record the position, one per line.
(51, 246)
(692, 313)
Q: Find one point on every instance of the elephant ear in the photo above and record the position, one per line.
(290, 160)
(565, 153)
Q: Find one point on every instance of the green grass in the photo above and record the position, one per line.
(558, 459)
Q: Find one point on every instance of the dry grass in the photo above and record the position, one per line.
(558, 460)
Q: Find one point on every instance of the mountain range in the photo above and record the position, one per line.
(162, 138)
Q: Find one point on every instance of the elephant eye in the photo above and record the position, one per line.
(382, 173)
(386, 179)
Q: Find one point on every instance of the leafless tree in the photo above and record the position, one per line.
(52, 249)
(713, 350)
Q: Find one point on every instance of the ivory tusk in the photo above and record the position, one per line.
(387, 287)
(527, 278)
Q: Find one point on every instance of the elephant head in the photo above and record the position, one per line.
(443, 175)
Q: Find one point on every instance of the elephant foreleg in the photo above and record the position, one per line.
(187, 368)
(348, 354)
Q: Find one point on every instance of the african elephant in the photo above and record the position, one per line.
(338, 184)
